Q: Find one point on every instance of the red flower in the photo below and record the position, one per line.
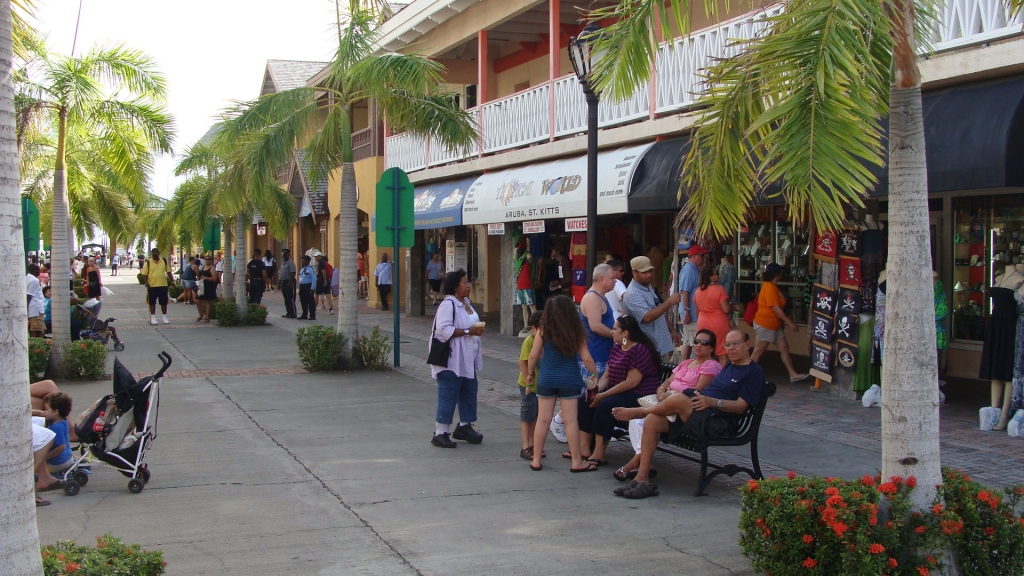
(888, 488)
(1018, 490)
(920, 529)
(801, 490)
(876, 548)
(896, 480)
(983, 495)
(71, 567)
(911, 482)
(810, 563)
(922, 571)
(753, 485)
(867, 480)
(808, 539)
(834, 501)
(990, 530)
(893, 563)
(937, 509)
(840, 528)
(889, 525)
(930, 560)
(791, 475)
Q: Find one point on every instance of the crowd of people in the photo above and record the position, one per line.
(602, 362)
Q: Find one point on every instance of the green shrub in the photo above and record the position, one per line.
(85, 360)
(320, 348)
(374, 349)
(226, 312)
(988, 532)
(110, 557)
(800, 526)
(38, 357)
(175, 290)
(79, 288)
(256, 315)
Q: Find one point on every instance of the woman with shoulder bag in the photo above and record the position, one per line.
(455, 357)
(207, 278)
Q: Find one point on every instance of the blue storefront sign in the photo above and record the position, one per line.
(440, 205)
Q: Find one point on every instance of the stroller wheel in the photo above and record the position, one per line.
(146, 475)
(71, 487)
(81, 477)
(135, 485)
(119, 346)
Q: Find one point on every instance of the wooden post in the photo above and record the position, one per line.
(482, 67)
(554, 60)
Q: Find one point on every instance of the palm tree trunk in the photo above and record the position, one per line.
(240, 295)
(60, 256)
(229, 272)
(348, 230)
(19, 540)
(910, 392)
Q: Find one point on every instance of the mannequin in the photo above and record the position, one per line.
(869, 223)
(998, 352)
(524, 284)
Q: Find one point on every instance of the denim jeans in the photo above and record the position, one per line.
(452, 390)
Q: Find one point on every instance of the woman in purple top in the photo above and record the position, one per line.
(633, 371)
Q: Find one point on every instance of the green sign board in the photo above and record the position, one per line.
(211, 238)
(30, 224)
(394, 187)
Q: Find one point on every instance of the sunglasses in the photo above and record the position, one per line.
(702, 342)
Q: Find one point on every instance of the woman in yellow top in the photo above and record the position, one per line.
(769, 320)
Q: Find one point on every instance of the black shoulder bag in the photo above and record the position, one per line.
(440, 351)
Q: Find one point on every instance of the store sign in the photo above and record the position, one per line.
(261, 229)
(533, 227)
(496, 229)
(556, 189)
(575, 224)
(455, 255)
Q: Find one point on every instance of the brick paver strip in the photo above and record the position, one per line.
(226, 372)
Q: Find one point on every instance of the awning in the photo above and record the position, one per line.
(440, 205)
(555, 189)
(656, 180)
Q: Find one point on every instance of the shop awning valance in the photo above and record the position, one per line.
(656, 181)
(556, 189)
(440, 205)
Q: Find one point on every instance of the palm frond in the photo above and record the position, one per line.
(125, 68)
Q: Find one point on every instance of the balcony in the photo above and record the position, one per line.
(527, 117)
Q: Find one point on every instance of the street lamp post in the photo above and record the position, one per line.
(581, 52)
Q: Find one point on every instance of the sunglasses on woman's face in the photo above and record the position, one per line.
(702, 342)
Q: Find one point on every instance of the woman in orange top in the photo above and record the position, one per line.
(769, 320)
(713, 307)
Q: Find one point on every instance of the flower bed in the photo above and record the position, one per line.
(319, 348)
(38, 357)
(256, 314)
(85, 360)
(110, 557)
(374, 349)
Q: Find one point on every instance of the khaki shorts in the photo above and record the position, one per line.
(36, 324)
(765, 335)
(689, 332)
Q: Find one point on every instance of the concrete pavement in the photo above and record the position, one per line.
(261, 471)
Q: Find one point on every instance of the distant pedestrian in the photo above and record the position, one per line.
(689, 282)
(256, 272)
(435, 272)
(208, 276)
(307, 278)
(189, 285)
(44, 275)
(115, 260)
(324, 272)
(642, 302)
(287, 283)
(36, 303)
(361, 267)
(771, 319)
(615, 296)
(383, 274)
(158, 277)
(335, 284)
(271, 266)
(91, 278)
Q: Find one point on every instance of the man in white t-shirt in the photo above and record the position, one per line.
(615, 296)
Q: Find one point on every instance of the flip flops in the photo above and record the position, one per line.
(598, 462)
(58, 485)
(590, 467)
(41, 502)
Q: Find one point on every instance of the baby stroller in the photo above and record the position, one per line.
(119, 429)
(96, 329)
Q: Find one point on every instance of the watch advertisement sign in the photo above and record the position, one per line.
(575, 224)
(556, 189)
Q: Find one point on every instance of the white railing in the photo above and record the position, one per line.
(964, 22)
(516, 120)
(440, 155)
(525, 117)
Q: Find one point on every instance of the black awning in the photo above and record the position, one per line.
(656, 180)
(974, 137)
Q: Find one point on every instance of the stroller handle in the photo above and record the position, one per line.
(165, 358)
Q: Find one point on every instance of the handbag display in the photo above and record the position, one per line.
(440, 351)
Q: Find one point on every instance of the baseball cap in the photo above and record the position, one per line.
(773, 268)
(696, 250)
(641, 264)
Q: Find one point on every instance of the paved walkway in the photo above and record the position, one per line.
(261, 468)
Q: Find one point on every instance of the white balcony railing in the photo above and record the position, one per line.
(525, 117)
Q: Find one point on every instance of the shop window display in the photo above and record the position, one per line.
(770, 237)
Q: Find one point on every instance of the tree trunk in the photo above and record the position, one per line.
(910, 391)
(229, 274)
(240, 294)
(60, 258)
(19, 538)
(348, 289)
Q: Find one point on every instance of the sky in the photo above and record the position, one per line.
(212, 52)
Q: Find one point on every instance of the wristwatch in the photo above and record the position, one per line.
(719, 403)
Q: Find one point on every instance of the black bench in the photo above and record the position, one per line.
(747, 431)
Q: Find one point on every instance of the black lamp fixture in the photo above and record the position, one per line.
(581, 54)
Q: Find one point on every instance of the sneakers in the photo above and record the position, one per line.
(152, 319)
(525, 332)
(467, 433)
(443, 441)
(166, 321)
(558, 431)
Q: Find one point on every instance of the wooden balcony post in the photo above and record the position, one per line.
(482, 67)
(554, 61)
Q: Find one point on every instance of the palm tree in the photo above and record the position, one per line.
(801, 106)
(19, 540)
(115, 96)
(407, 88)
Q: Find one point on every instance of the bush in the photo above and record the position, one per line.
(38, 357)
(990, 538)
(79, 287)
(793, 525)
(320, 348)
(85, 360)
(373, 349)
(110, 557)
(175, 290)
(256, 315)
(226, 312)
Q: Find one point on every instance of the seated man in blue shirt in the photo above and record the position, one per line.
(715, 412)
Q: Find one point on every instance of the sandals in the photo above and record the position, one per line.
(621, 489)
(568, 456)
(598, 462)
(640, 490)
(536, 469)
(590, 467)
(41, 502)
(527, 453)
(58, 485)
(621, 475)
